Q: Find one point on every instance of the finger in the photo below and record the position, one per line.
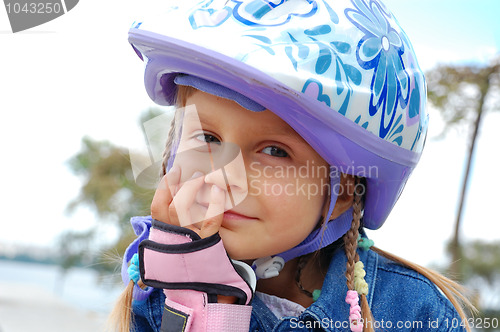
(163, 195)
(215, 212)
(173, 179)
(180, 208)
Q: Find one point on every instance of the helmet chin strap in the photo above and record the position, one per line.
(269, 267)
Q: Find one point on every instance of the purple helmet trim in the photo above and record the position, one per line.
(181, 57)
(218, 90)
(337, 139)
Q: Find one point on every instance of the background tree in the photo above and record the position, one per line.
(109, 189)
(463, 94)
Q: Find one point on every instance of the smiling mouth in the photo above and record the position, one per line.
(232, 215)
(229, 214)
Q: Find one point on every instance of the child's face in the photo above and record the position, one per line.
(279, 186)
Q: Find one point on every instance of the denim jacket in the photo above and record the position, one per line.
(400, 299)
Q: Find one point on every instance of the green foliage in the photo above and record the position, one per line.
(458, 91)
(110, 190)
(481, 259)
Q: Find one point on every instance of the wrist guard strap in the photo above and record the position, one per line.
(177, 258)
(192, 272)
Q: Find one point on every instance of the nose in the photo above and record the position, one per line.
(229, 173)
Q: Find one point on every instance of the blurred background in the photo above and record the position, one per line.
(72, 105)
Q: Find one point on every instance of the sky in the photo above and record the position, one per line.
(77, 76)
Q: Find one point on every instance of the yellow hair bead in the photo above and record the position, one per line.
(360, 284)
(359, 270)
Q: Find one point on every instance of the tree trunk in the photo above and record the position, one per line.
(456, 247)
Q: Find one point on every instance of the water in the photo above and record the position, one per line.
(80, 287)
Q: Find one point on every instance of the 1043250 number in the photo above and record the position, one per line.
(34, 8)
(475, 323)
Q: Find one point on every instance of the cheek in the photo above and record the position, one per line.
(294, 203)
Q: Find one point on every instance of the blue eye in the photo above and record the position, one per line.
(274, 151)
(207, 138)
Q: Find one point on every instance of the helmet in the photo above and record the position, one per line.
(341, 73)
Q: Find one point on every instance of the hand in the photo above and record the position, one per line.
(172, 204)
(175, 203)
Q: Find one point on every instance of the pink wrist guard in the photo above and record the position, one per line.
(193, 271)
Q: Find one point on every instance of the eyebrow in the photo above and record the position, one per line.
(287, 131)
(283, 131)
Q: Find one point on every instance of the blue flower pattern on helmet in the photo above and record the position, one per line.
(265, 43)
(381, 49)
(328, 63)
(253, 12)
(332, 66)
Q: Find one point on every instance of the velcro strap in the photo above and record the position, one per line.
(223, 317)
(184, 261)
(214, 317)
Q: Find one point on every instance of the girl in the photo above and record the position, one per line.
(298, 124)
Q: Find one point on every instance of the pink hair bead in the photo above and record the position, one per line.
(352, 299)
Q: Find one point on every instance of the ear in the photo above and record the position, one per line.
(346, 195)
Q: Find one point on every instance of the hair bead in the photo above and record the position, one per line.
(360, 284)
(355, 321)
(364, 243)
(133, 269)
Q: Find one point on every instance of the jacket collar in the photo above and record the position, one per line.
(331, 305)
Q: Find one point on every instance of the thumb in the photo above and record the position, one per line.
(215, 212)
